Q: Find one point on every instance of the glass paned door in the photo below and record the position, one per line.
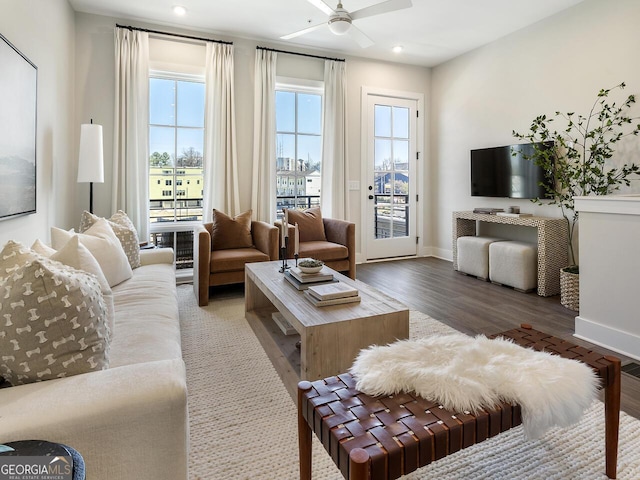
(391, 193)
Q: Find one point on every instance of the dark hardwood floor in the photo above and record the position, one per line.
(472, 306)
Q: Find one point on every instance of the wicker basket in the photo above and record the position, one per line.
(570, 290)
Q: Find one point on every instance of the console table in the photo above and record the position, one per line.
(552, 243)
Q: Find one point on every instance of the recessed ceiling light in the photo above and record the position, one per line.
(179, 10)
(397, 49)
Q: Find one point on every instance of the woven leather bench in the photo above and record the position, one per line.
(383, 438)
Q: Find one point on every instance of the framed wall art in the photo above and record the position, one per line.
(18, 99)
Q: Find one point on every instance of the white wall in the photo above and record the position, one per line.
(479, 98)
(95, 90)
(43, 31)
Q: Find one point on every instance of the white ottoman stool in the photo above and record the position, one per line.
(473, 255)
(514, 264)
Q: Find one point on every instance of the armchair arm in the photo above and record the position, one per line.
(344, 233)
(265, 238)
(202, 262)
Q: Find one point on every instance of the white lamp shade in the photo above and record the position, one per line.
(90, 157)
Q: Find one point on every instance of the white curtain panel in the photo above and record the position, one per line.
(130, 190)
(263, 192)
(334, 193)
(220, 151)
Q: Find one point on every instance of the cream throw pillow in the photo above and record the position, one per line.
(103, 245)
(53, 322)
(123, 228)
(76, 255)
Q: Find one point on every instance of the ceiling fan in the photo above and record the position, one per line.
(340, 20)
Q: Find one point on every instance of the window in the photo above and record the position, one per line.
(176, 148)
(176, 145)
(298, 144)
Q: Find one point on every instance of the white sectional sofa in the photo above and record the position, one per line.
(129, 421)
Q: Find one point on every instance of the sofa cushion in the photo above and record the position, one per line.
(234, 259)
(325, 251)
(309, 222)
(147, 319)
(103, 245)
(54, 323)
(230, 232)
(123, 228)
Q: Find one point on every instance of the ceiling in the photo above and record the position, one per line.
(430, 32)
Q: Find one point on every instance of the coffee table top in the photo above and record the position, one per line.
(288, 300)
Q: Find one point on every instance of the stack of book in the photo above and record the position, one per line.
(302, 280)
(332, 294)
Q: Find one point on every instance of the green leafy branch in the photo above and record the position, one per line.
(579, 159)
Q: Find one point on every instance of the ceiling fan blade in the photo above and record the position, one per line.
(384, 7)
(322, 6)
(360, 38)
(302, 32)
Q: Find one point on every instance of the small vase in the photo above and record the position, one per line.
(570, 290)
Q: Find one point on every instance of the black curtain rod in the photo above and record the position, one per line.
(129, 27)
(301, 54)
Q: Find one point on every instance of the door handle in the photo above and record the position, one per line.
(370, 197)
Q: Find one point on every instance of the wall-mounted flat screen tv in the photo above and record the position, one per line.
(505, 172)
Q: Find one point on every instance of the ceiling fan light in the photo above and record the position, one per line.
(179, 10)
(339, 26)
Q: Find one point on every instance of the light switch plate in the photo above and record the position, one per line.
(354, 184)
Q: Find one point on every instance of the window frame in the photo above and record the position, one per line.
(176, 225)
(298, 86)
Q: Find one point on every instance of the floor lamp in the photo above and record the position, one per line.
(90, 157)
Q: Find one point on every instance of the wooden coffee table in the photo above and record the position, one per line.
(330, 337)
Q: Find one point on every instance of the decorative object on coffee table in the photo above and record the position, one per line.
(310, 265)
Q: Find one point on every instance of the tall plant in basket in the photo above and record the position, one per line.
(580, 159)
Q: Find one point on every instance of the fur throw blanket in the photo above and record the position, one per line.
(463, 373)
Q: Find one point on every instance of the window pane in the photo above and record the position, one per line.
(161, 101)
(309, 150)
(400, 122)
(401, 154)
(190, 147)
(309, 113)
(286, 151)
(190, 104)
(161, 146)
(285, 111)
(382, 154)
(382, 121)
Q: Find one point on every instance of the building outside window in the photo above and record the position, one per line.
(176, 149)
(298, 145)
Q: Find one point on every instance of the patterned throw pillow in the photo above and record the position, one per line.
(123, 228)
(76, 255)
(53, 323)
(230, 232)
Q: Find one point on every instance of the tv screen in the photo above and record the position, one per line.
(505, 172)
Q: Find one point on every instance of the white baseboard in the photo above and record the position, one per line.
(624, 343)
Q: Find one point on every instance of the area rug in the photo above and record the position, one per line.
(243, 421)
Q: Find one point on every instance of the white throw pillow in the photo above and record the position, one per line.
(42, 248)
(53, 323)
(123, 228)
(103, 245)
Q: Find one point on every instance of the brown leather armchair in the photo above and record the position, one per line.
(213, 267)
(337, 252)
